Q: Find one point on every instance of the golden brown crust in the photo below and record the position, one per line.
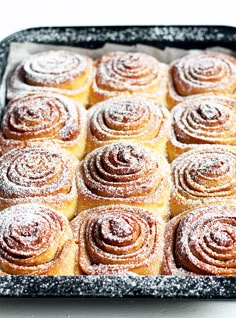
(201, 241)
(130, 118)
(203, 176)
(124, 173)
(38, 175)
(61, 72)
(202, 120)
(128, 73)
(118, 240)
(201, 73)
(35, 240)
(32, 119)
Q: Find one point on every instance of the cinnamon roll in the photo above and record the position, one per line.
(134, 119)
(35, 118)
(38, 175)
(203, 176)
(124, 173)
(35, 240)
(201, 241)
(128, 73)
(201, 73)
(202, 120)
(117, 240)
(62, 72)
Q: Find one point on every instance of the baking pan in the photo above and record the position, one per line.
(198, 287)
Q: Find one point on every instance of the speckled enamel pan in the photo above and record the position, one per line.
(198, 287)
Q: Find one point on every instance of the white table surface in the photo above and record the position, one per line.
(18, 15)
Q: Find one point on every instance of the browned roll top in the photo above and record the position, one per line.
(58, 71)
(35, 172)
(203, 176)
(205, 72)
(34, 118)
(136, 119)
(128, 73)
(201, 241)
(206, 120)
(118, 239)
(124, 173)
(121, 170)
(35, 240)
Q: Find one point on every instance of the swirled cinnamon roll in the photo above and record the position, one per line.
(35, 240)
(203, 176)
(38, 175)
(130, 118)
(124, 173)
(201, 73)
(203, 120)
(118, 239)
(201, 241)
(128, 73)
(38, 118)
(61, 72)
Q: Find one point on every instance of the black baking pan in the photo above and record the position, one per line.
(198, 287)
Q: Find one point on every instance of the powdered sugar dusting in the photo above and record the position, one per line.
(72, 78)
(121, 71)
(35, 170)
(124, 173)
(118, 239)
(38, 175)
(128, 73)
(201, 241)
(128, 118)
(30, 238)
(205, 120)
(203, 73)
(38, 116)
(203, 176)
(120, 286)
(53, 67)
(122, 170)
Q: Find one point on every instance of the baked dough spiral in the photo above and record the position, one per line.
(202, 120)
(38, 175)
(118, 240)
(124, 173)
(203, 176)
(35, 118)
(205, 72)
(58, 71)
(201, 241)
(130, 118)
(128, 73)
(35, 240)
